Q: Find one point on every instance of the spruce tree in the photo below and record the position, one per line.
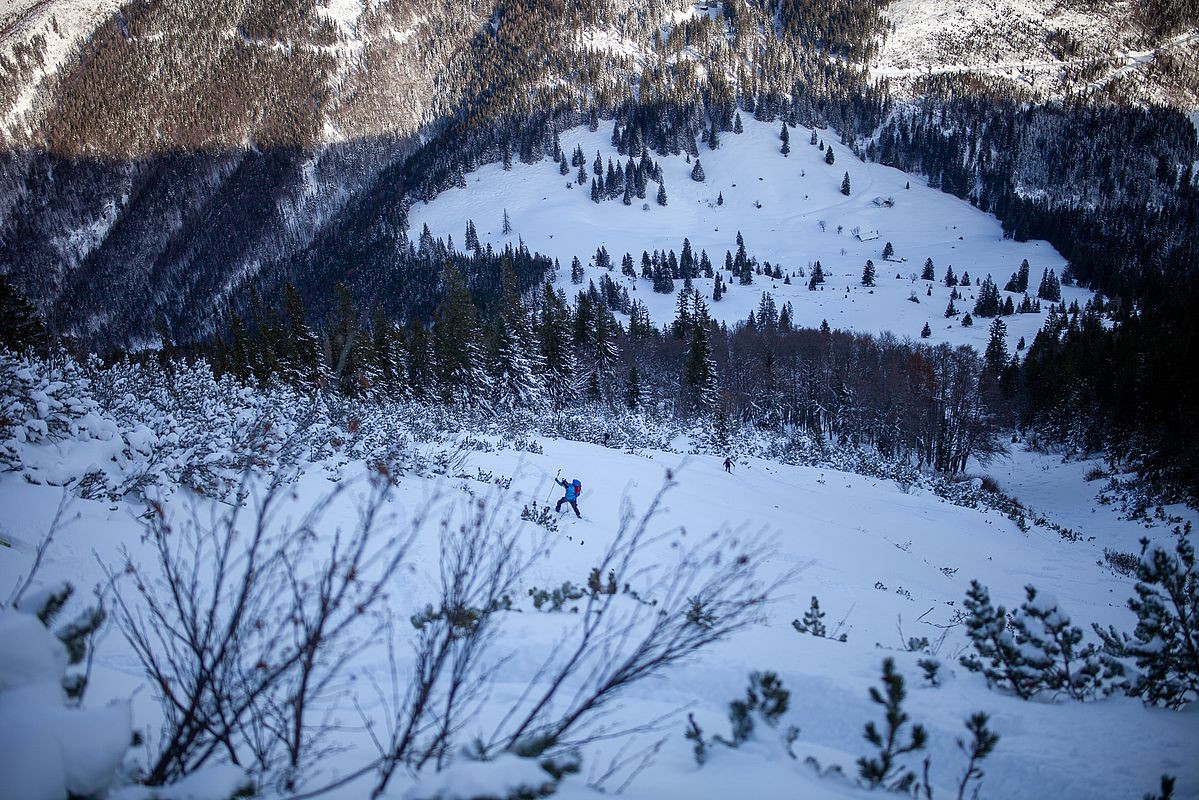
(926, 331)
(829, 158)
(700, 374)
(662, 194)
(845, 184)
(888, 250)
(515, 367)
(868, 273)
(633, 389)
(554, 343)
(22, 326)
(697, 172)
(458, 363)
(995, 356)
(576, 270)
(786, 137)
(928, 274)
(950, 280)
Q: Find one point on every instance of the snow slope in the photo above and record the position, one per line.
(1049, 48)
(886, 561)
(797, 192)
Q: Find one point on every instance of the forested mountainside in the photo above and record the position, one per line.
(171, 169)
(178, 153)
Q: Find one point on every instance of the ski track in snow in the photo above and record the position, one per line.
(796, 192)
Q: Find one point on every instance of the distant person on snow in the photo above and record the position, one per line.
(728, 464)
(573, 490)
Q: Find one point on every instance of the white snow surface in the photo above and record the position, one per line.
(882, 560)
(553, 215)
(46, 749)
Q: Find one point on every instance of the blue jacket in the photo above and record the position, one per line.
(571, 494)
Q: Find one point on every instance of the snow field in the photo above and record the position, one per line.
(844, 536)
(796, 193)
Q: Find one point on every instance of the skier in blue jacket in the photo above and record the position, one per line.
(573, 490)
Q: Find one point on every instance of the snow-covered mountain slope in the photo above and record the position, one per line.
(886, 563)
(790, 212)
(1048, 48)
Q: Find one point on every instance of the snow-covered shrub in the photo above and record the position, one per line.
(1034, 650)
(1165, 642)
(51, 749)
(44, 400)
(765, 700)
(813, 623)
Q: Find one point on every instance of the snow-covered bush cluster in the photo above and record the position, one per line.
(57, 750)
(44, 401)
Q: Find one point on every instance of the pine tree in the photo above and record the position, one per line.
(888, 250)
(988, 303)
(928, 274)
(829, 158)
(22, 326)
(661, 194)
(817, 277)
(737, 127)
(884, 771)
(346, 351)
(717, 289)
(633, 390)
(458, 363)
(995, 356)
(868, 273)
(786, 137)
(1165, 642)
(697, 172)
(967, 321)
(700, 375)
(997, 655)
(576, 270)
(965, 281)
(950, 280)
(812, 140)
(507, 223)
(515, 366)
(845, 185)
(553, 339)
(926, 331)
(419, 361)
(1050, 288)
(301, 356)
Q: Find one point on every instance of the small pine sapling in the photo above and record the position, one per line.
(982, 744)
(1165, 642)
(1167, 790)
(883, 770)
(695, 735)
(813, 623)
(932, 671)
(765, 698)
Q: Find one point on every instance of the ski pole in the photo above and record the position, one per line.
(551, 494)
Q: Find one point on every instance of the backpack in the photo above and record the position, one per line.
(578, 487)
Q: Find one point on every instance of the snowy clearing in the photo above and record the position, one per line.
(553, 215)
